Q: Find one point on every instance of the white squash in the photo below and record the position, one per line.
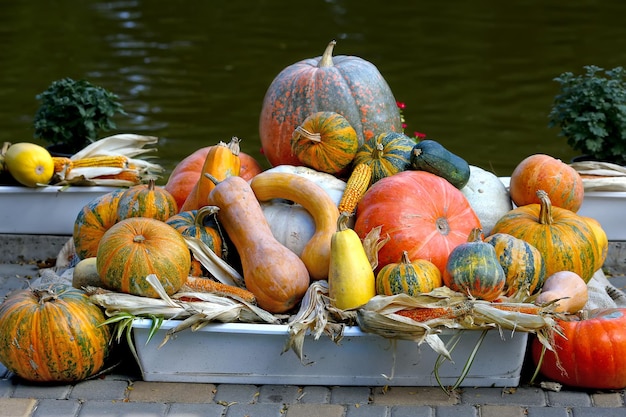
(290, 223)
(488, 196)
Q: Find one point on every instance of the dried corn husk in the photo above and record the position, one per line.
(601, 176)
(216, 266)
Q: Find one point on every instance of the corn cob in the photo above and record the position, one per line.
(114, 161)
(62, 164)
(358, 183)
(211, 286)
(130, 175)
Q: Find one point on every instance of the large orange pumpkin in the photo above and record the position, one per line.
(422, 213)
(138, 246)
(52, 334)
(563, 183)
(93, 220)
(187, 172)
(348, 85)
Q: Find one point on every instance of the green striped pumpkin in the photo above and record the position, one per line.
(408, 277)
(93, 220)
(146, 200)
(565, 240)
(387, 153)
(52, 334)
(473, 269)
(326, 142)
(200, 224)
(139, 246)
(523, 264)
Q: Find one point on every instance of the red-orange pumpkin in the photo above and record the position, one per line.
(52, 334)
(348, 85)
(422, 213)
(146, 200)
(590, 354)
(136, 247)
(563, 183)
(187, 172)
(93, 220)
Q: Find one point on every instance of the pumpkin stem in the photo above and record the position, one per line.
(233, 145)
(139, 239)
(315, 137)
(5, 148)
(405, 258)
(475, 235)
(377, 153)
(545, 212)
(342, 222)
(203, 212)
(212, 178)
(327, 57)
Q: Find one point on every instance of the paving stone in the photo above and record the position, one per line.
(528, 396)
(171, 392)
(121, 408)
(195, 410)
(264, 410)
(358, 410)
(547, 412)
(412, 411)
(501, 411)
(314, 410)
(54, 392)
(100, 390)
(56, 408)
(431, 396)
(350, 395)
(236, 393)
(598, 412)
(456, 411)
(568, 399)
(608, 399)
(17, 407)
(283, 394)
(6, 388)
(315, 395)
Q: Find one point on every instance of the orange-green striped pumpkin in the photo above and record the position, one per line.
(200, 224)
(52, 334)
(93, 220)
(386, 153)
(565, 240)
(146, 200)
(408, 277)
(139, 246)
(326, 142)
(523, 264)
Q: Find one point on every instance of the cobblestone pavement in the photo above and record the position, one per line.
(122, 392)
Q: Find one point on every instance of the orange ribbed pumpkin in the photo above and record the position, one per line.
(348, 85)
(422, 213)
(52, 334)
(146, 200)
(563, 183)
(137, 247)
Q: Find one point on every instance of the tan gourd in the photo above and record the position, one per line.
(274, 274)
(568, 288)
(351, 280)
(313, 198)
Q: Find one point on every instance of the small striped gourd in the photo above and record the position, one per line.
(52, 334)
(202, 225)
(473, 269)
(386, 153)
(566, 240)
(93, 220)
(408, 277)
(523, 264)
(325, 141)
(139, 246)
(146, 200)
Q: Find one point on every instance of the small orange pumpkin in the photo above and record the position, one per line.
(139, 246)
(408, 277)
(563, 183)
(146, 200)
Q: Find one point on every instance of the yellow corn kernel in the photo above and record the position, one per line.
(115, 161)
(131, 175)
(358, 183)
(61, 164)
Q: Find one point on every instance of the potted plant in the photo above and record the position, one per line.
(72, 113)
(590, 111)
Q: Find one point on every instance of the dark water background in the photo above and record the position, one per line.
(475, 75)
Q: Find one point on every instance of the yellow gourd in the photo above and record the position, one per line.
(30, 164)
(351, 280)
(313, 198)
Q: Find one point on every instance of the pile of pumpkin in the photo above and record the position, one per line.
(353, 201)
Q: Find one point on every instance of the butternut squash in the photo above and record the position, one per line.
(274, 274)
(222, 161)
(351, 280)
(567, 289)
(316, 201)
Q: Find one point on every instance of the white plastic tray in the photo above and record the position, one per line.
(43, 211)
(251, 354)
